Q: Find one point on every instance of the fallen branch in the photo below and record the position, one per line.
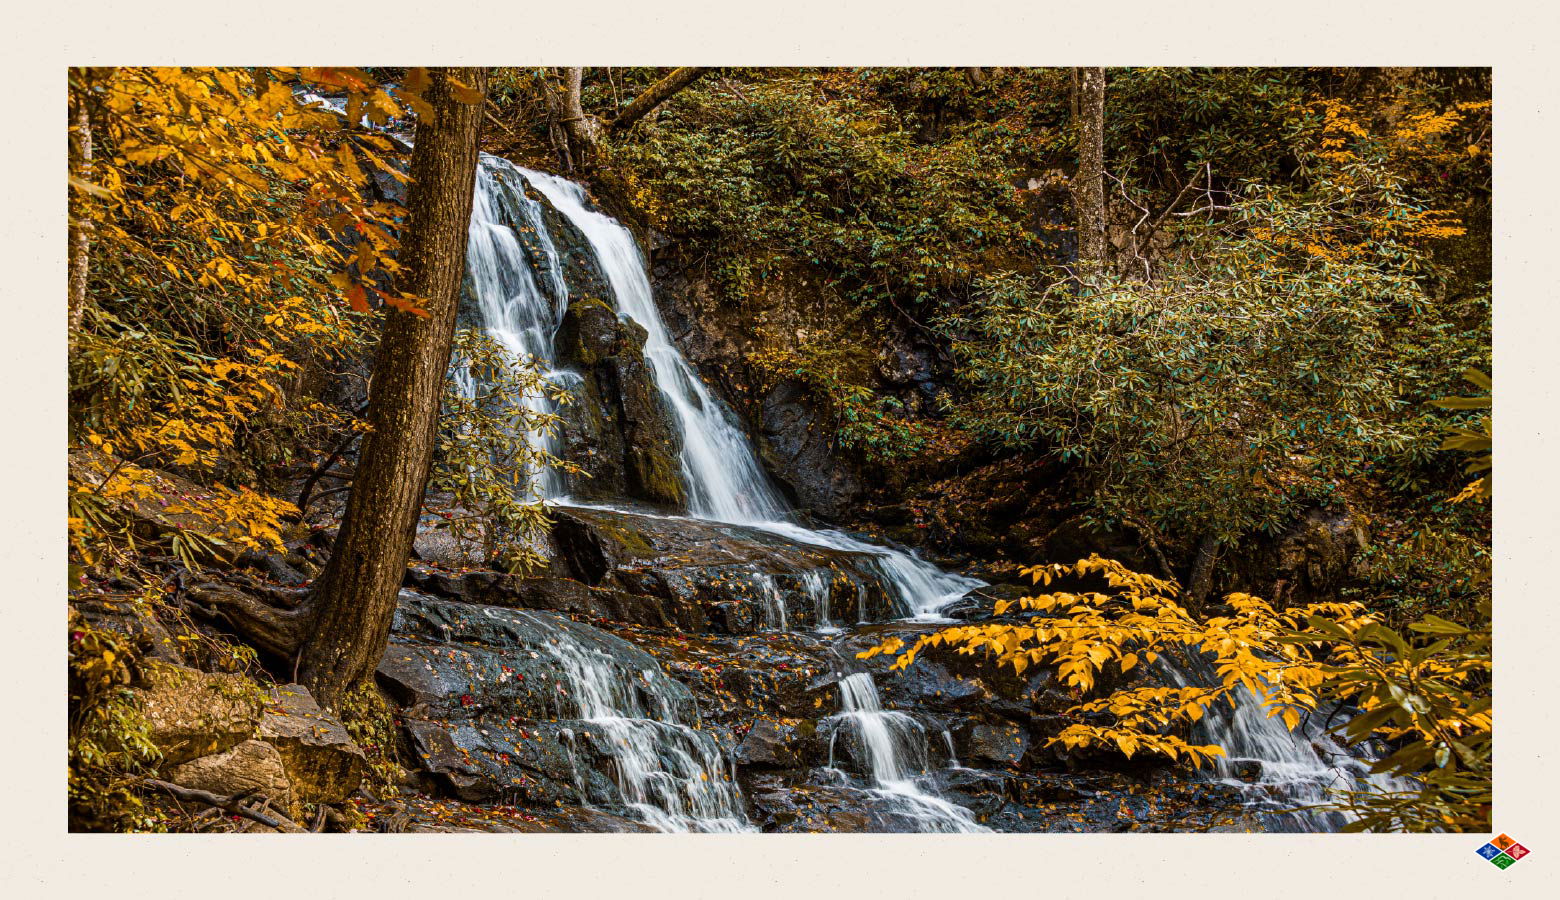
(233, 804)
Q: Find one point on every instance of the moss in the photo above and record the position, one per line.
(589, 331)
(370, 718)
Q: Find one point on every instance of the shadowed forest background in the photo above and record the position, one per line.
(393, 488)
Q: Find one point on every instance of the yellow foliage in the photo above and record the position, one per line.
(1084, 635)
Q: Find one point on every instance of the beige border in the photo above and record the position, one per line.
(40, 860)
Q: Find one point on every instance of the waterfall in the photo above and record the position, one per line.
(892, 748)
(720, 470)
(1287, 777)
(520, 302)
(672, 775)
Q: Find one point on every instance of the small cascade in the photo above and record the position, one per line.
(815, 583)
(672, 775)
(1287, 777)
(893, 750)
(772, 602)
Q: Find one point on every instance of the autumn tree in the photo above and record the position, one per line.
(355, 595)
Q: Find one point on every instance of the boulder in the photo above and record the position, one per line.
(250, 765)
(193, 714)
(323, 762)
(767, 745)
(999, 744)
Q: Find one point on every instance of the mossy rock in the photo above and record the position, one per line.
(191, 714)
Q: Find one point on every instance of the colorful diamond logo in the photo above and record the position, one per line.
(1503, 851)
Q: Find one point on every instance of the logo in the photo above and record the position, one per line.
(1503, 851)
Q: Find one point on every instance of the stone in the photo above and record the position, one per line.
(250, 765)
(192, 714)
(323, 762)
(767, 745)
(1000, 744)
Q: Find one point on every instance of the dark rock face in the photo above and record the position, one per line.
(618, 430)
(711, 576)
(792, 434)
(489, 712)
(798, 448)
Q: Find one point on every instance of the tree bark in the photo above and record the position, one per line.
(80, 163)
(1089, 185)
(655, 95)
(580, 128)
(355, 596)
(1201, 582)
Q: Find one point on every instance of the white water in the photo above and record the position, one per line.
(672, 775)
(1297, 772)
(520, 307)
(894, 747)
(721, 473)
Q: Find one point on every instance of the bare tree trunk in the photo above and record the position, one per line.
(80, 164)
(655, 95)
(581, 128)
(355, 596)
(1089, 185)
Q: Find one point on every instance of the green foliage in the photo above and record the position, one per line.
(815, 168)
(1255, 372)
(110, 749)
(1427, 695)
(483, 458)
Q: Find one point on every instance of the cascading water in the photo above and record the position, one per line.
(520, 296)
(671, 774)
(892, 748)
(724, 480)
(1287, 777)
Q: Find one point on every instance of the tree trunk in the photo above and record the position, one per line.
(580, 128)
(80, 163)
(1089, 185)
(355, 596)
(655, 95)
(1201, 581)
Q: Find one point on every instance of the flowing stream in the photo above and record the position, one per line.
(672, 776)
(892, 747)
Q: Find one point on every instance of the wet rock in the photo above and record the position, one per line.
(490, 714)
(1002, 745)
(250, 765)
(767, 745)
(694, 565)
(323, 762)
(800, 449)
(191, 714)
(619, 430)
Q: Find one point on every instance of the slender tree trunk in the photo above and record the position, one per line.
(1201, 581)
(1089, 185)
(80, 163)
(655, 95)
(580, 128)
(355, 596)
